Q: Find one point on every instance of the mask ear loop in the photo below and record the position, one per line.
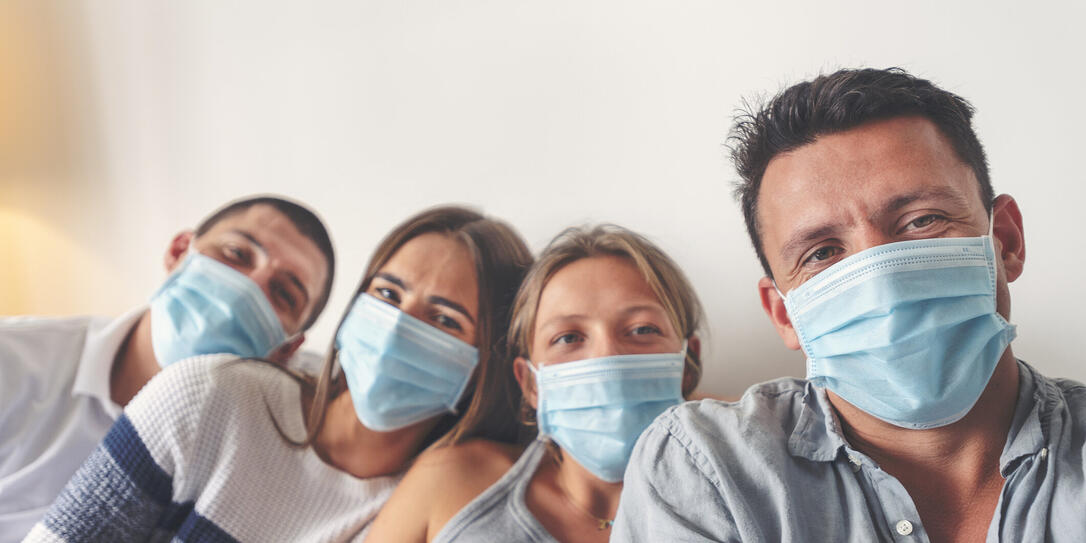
(776, 288)
(538, 397)
(535, 373)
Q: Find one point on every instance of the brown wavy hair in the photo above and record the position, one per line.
(501, 259)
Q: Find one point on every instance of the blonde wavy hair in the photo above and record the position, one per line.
(665, 278)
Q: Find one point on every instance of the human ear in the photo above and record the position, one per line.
(526, 380)
(773, 305)
(177, 248)
(1009, 235)
(693, 346)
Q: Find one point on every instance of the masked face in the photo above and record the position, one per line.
(907, 332)
(245, 286)
(263, 244)
(407, 345)
(865, 207)
(400, 370)
(606, 361)
(206, 307)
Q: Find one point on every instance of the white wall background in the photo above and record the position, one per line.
(142, 116)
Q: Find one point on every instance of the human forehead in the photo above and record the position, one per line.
(280, 239)
(857, 173)
(595, 287)
(436, 264)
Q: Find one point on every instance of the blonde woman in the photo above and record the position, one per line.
(218, 448)
(602, 341)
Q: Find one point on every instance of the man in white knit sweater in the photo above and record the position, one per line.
(249, 280)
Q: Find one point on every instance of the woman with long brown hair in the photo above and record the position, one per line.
(218, 448)
(603, 339)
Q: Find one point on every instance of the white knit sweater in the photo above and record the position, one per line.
(197, 456)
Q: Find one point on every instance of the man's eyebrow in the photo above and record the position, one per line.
(799, 240)
(438, 300)
(929, 193)
(251, 239)
(803, 237)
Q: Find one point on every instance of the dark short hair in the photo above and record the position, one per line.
(308, 225)
(837, 102)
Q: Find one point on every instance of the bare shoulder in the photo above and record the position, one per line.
(468, 467)
(440, 483)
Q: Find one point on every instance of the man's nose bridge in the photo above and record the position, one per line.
(871, 236)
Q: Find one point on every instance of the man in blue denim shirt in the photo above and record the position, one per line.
(887, 259)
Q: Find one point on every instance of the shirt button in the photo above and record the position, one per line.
(855, 462)
(904, 527)
(1044, 453)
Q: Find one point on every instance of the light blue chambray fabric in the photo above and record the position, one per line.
(774, 466)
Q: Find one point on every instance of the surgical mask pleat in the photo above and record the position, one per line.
(603, 393)
(207, 307)
(912, 342)
(596, 409)
(911, 323)
(879, 296)
(400, 370)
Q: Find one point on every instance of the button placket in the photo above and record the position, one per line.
(901, 517)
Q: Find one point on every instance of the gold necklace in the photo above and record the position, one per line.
(602, 523)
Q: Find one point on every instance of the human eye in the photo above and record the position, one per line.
(823, 254)
(236, 254)
(446, 321)
(387, 294)
(284, 296)
(566, 338)
(645, 329)
(924, 221)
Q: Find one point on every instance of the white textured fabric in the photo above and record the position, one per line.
(54, 407)
(208, 422)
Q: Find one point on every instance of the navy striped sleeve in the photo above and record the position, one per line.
(119, 494)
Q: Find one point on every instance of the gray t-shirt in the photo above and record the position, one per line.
(775, 466)
(500, 512)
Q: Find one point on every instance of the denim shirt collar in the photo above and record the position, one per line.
(1032, 414)
(818, 436)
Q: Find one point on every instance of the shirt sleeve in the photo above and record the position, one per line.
(670, 493)
(125, 489)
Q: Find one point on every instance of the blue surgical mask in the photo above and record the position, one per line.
(207, 307)
(595, 409)
(908, 331)
(399, 369)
